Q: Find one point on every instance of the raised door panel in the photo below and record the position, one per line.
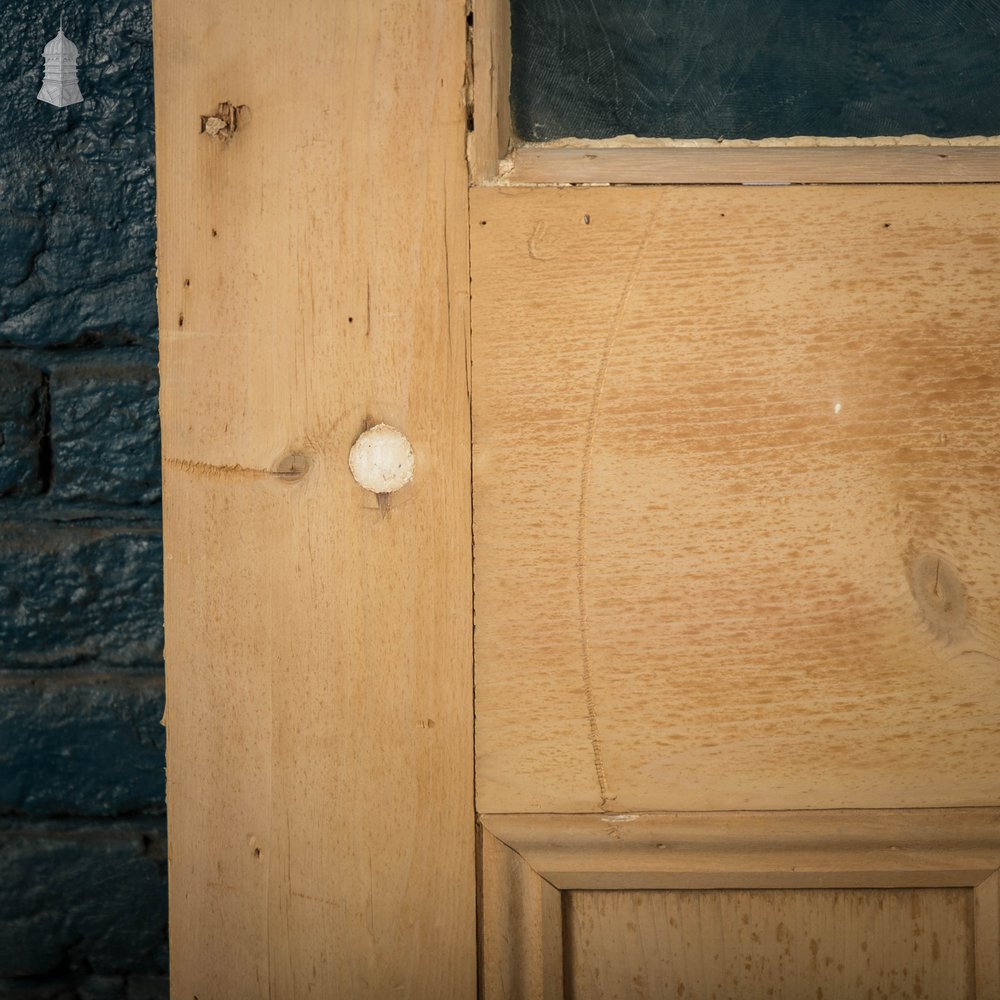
(737, 533)
(741, 906)
(770, 944)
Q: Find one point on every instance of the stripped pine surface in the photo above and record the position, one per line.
(736, 521)
(770, 945)
(313, 280)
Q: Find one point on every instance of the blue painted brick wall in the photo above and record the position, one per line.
(82, 833)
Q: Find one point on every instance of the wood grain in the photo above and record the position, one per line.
(490, 137)
(736, 521)
(539, 164)
(775, 945)
(313, 280)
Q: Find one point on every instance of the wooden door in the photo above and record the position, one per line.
(737, 570)
(733, 454)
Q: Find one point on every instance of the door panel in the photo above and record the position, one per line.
(736, 521)
(852, 903)
(770, 943)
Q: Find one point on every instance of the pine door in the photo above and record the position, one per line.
(720, 462)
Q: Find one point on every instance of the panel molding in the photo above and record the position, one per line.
(987, 936)
(521, 944)
(525, 855)
(934, 163)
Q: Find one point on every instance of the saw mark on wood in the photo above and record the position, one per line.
(582, 512)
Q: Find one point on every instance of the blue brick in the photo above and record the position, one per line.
(21, 240)
(88, 901)
(148, 988)
(76, 595)
(84, 987)
(47, 988)
(105, 435)
(88, 746)
(22, 420)
(102, 988)
(82, 910)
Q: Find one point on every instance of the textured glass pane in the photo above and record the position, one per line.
(738, 68)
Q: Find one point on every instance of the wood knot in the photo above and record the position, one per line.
(940, 594)
(292, 466)
(222, 125)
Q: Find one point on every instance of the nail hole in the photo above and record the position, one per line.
(586, 220)
(180, 320)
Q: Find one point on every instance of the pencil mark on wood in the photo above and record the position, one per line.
(582, 511)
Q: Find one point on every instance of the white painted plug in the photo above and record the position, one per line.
(381, 459)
